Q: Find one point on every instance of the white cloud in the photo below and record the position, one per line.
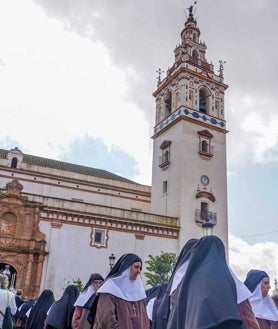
(244, 257)
(253, 125)
(57, 86)
(266, 131)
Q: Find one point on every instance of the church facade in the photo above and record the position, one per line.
(61, 221)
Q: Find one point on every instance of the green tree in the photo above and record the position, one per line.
(79, 284)
(160, 268)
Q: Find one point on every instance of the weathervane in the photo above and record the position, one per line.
(159, 71)
(221, 67)
(190, 9)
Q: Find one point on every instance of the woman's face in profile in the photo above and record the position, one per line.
(135, 270)
(265, 286)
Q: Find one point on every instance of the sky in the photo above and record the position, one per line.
(76, 84)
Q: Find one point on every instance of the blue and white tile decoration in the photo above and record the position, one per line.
(193, 114)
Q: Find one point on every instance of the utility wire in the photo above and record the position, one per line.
(250, 236)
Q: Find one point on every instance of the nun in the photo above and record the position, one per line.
(37, 314)
(81, 311)
(153, 303)
(61, 311)
(209, 294)
(161, 304)
(121, 298)
(263, 306)
(22, 317)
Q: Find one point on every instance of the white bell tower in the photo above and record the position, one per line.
(189, 174)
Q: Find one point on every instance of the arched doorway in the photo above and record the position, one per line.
(24, 247)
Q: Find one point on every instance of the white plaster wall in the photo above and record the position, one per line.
(183, 176)
(71, 256)
(171, 174)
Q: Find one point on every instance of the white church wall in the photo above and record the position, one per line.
(71, 256)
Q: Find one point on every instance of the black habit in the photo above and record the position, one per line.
(206, 297)
(60, 313)
(161, 308)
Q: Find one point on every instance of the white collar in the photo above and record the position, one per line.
(263, 307)
(123, 287)
(149, 308)
(180, 273)
(242, 291)
(84, 296)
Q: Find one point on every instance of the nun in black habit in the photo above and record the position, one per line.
(22, 317)
(61, 311)
(39, 311)
(84, 302)
(209, 293)
(151, 297)
(121, 299)
(161, 305)
(264, 308)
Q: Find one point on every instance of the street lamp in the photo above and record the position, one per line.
(207, 228)
(111, 261)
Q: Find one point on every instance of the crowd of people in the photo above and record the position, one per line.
(202, 293)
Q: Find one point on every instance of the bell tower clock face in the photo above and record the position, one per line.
(204, 180)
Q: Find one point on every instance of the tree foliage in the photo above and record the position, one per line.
(79, 284)
(159, 268)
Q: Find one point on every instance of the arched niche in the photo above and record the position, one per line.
(8, 223)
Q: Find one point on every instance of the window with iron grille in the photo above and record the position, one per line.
(99, 238)
(164, 159)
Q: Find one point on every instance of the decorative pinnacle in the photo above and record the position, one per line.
(221, 67)
(159, 71)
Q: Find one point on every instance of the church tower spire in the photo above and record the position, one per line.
(189, 178)
(191, 50)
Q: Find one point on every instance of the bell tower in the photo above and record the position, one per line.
(189, 174)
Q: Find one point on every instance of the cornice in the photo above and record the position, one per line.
(201, 75)
(112, 223)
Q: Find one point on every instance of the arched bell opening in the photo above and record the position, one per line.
(168, 103)
(204, 101)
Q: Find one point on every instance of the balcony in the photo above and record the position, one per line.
(204, 216)
(164, 160)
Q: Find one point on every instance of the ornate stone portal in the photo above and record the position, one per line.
(22, 245)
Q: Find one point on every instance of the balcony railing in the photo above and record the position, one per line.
(204, 216)
(164, 160)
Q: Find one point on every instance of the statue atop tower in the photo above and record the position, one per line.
(190, 9)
